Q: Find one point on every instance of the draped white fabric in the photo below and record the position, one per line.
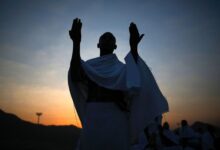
(107, 71)
(105, 128)
(135, 79)
(148, 103)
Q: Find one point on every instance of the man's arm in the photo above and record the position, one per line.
(135, 38)
(75, 35)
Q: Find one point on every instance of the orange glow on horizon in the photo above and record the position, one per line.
(58, 109)
(45, 119)
(55, 104)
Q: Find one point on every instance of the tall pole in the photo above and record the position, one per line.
(38, 117)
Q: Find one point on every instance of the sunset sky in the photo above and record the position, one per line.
(181, 46)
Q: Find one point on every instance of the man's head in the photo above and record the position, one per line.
(184, 123)
(107, 43)
(166, 125)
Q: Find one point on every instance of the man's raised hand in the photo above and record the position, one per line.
(75, 32)
(135, 37)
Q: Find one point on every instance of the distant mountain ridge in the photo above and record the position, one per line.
(16, 133)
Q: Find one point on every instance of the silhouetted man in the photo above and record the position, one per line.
(103, 87)
(188, 137)
(168, 137)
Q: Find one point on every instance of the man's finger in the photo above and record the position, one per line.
(132, 23)
(131, 27)
(134, 27)
(74, 23)
(78, 20)
(80, 24)
(77, 24)
(142, 35)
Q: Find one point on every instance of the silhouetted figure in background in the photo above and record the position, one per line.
(112, 98)
(188, 137)
(168, 137)
(155, 125)
(206, 139)
(152, 132)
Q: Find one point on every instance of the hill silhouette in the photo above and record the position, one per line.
(16, 133)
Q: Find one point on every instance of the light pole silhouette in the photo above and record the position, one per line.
(38, 117)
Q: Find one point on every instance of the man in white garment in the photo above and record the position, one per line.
(170, 140)
(105, 91)
(206, 139)
(188, 137)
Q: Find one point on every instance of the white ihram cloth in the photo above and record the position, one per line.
(135, 79)
(105, 128)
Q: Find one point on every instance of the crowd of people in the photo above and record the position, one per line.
(161, 137)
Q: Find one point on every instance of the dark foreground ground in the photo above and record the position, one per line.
(17, 134)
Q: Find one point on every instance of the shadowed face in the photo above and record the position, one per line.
(166, 125)
(107, 43)
(184, 123)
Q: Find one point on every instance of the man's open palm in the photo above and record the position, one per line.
(135, 37)
(75, 32)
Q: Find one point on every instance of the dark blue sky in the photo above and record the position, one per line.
(181, 45)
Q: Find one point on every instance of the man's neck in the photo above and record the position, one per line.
(105, 52)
